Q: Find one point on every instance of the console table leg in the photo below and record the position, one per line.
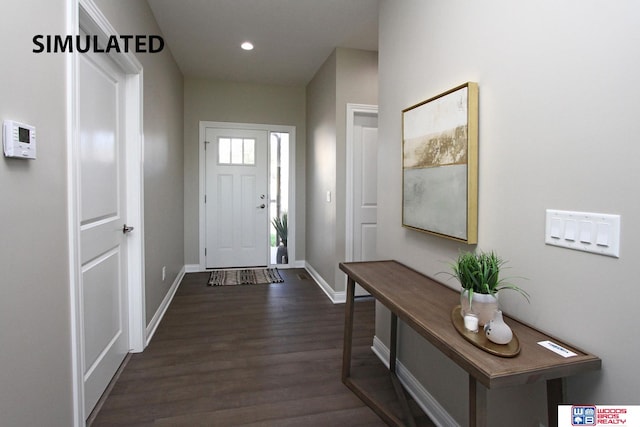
(555, 396)
(393, 355)
(348, 330)
(477, 404)
(393, 342)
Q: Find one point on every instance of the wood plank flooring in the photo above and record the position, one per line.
(260, 355)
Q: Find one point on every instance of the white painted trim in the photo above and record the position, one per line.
(193, 268)
(352, 111)
(135, 209)
(164, 305)
(297, 264)
(85, 14)
(335, 297)
(71, 64)
(423, 398)
(93, 21)
(202, 229)
(202, 211)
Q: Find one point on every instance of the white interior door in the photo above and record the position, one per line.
(237, 223)
(103, 248)
(365, 188)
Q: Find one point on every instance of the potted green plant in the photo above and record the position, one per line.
(479, 276)
(280, 224)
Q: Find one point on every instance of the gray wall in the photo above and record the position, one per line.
(347, 76)
(357, 83)
(35, 337)
(217, 101)
(558, 123)
(35, 340)
(163, 153)
(321, 169)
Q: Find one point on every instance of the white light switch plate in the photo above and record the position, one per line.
(584, 231)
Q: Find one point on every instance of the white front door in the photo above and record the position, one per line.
(365, 188)
(102, 200)
(236, 198)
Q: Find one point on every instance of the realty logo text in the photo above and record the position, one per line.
(590, 415)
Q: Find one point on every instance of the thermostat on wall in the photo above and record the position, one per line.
(19, 140)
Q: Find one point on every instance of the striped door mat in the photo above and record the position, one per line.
(248, 276)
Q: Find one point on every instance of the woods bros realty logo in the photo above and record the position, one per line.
(592, 415)
(87, 43)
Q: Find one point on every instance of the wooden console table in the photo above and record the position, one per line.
(425, 305)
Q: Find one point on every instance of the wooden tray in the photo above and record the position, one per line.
(480, 340)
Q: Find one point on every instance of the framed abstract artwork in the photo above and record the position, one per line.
(440, 165)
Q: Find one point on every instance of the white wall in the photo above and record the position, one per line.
(357, 82)
(558, 129)
(35, 337)
(347, 76)
(321, 169)
(218, 101)
(35, 340)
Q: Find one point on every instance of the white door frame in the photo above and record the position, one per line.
(291, 130)
(85, 14)
(352, 111)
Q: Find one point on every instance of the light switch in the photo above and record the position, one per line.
(556, 228)
(603, 234)
(584, 231)
(570, 227)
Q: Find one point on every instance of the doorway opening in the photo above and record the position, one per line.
(95, 260)
(273, 203)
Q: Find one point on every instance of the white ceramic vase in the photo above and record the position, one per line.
(482, 305)
(497, 331)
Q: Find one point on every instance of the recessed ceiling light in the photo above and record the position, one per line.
(247, 46)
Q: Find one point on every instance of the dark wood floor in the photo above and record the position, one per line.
(262, 355)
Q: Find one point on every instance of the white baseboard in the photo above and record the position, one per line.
(195, 268)
(423, 398)
(162, 309)
(192, 268)
(335, 297)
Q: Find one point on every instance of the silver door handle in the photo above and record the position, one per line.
(126, 229)
(262, 206)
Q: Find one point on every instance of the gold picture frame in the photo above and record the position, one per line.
(440, 165)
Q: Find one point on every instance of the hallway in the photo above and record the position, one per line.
(267, 355)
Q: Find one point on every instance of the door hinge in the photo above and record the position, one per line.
(205, 144)
(205, 251)
(205, 198)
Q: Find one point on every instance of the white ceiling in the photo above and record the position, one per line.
(292, 38)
